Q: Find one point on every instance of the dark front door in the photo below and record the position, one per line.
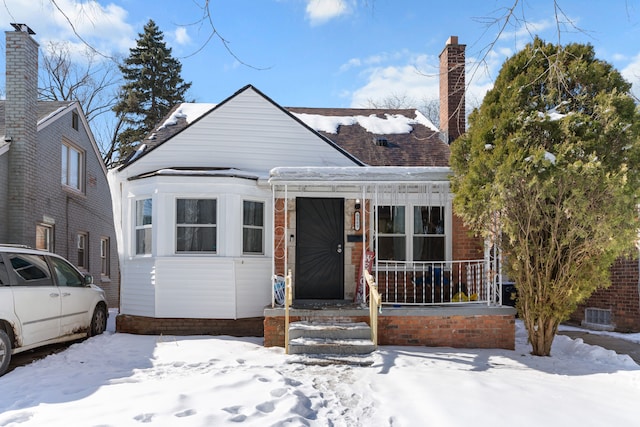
(319, 248)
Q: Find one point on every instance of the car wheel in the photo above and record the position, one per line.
(98, 321)
(5, 351)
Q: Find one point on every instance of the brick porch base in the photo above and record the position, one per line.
(460, 327)
(251, 327)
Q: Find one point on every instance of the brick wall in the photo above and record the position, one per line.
(460, 331)
(465, 246)
(20, 126)
(452, 89)
(250, 327)
(622, 297)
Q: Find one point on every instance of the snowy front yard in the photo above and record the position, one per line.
(129, 380)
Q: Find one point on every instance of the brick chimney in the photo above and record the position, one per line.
(21, 117)
(452, 90)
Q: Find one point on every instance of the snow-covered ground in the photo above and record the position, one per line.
(129, 380)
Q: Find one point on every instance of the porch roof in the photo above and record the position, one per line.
(360, 175)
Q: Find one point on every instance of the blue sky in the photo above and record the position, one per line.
(334, 53)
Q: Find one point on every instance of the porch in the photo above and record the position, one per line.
(438, 285)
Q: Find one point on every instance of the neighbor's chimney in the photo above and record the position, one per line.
(20, 116)
(452, 89)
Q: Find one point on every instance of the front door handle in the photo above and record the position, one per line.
(339, 250)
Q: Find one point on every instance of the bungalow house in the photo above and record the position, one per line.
(220, 200)
(54, 193)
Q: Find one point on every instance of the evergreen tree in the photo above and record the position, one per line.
(153, 86)
(552, 161)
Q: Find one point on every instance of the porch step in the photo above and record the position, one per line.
(331, 342)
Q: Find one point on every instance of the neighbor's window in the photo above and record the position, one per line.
(44, 237)
(74, 120)
(143, 226)
(72, 167)
(83, 252)
(104, 257)
(392, 239)
(428, 233)
(252, 227)
(196, 225)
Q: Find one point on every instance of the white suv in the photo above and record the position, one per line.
(44, 300)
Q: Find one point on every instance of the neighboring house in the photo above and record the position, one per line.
(618, 306)
(221, 199)
(54, 193)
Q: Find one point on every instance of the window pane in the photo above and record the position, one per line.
(65, 274)
(143, 212)
(143, 241)
(252, 240)
(65, 164)
(104, 256)
(391, 219)
(196, 239)
(428, 220)
(43, 237)
(428, 248)
(31, 269)
(82, 251)
(253, 213)
(74, 168)
(196, 211)
(392, 248)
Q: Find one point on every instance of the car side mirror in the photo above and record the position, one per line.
(88, 279)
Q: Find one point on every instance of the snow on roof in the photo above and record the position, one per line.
(391, 124)
(189, 111)
(360, 174)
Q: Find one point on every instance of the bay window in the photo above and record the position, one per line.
(252, 227)
(143, 226)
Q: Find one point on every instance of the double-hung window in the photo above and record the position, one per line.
(83, 251)
(196, 225)
(252, 227)
(105, 269)
(411, 233)
(44, 237)
(143, 226)
(72, 167)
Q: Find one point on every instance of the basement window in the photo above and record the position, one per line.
(598, 318)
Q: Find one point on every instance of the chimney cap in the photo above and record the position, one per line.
(24, 28)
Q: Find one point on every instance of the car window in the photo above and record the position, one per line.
(65, 273)
(30, 270)
(4, 276)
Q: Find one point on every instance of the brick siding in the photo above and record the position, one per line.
(249, 327)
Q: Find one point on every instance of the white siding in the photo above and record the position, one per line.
(137, 291)
(195, 287)
(253, 286)
(247, 133)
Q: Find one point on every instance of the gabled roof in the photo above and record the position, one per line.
(45, 110)
(177, 121)
(380, 137)
(374, 137)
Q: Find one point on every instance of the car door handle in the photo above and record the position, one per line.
(66, 294)
(54, 295)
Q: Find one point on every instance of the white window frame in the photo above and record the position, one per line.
(105, 254)
(214, 226)
(147, 228)
(254, 227)
(48, 237)
(72, 166)
(409, 229)
(82, 247)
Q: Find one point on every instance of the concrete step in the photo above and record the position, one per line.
(330, 342)
(305, 345)
(329, 330)
(332, 359)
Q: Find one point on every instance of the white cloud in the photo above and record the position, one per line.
(181, 36)
(321, 11)
(104, 27)
(632, 73)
